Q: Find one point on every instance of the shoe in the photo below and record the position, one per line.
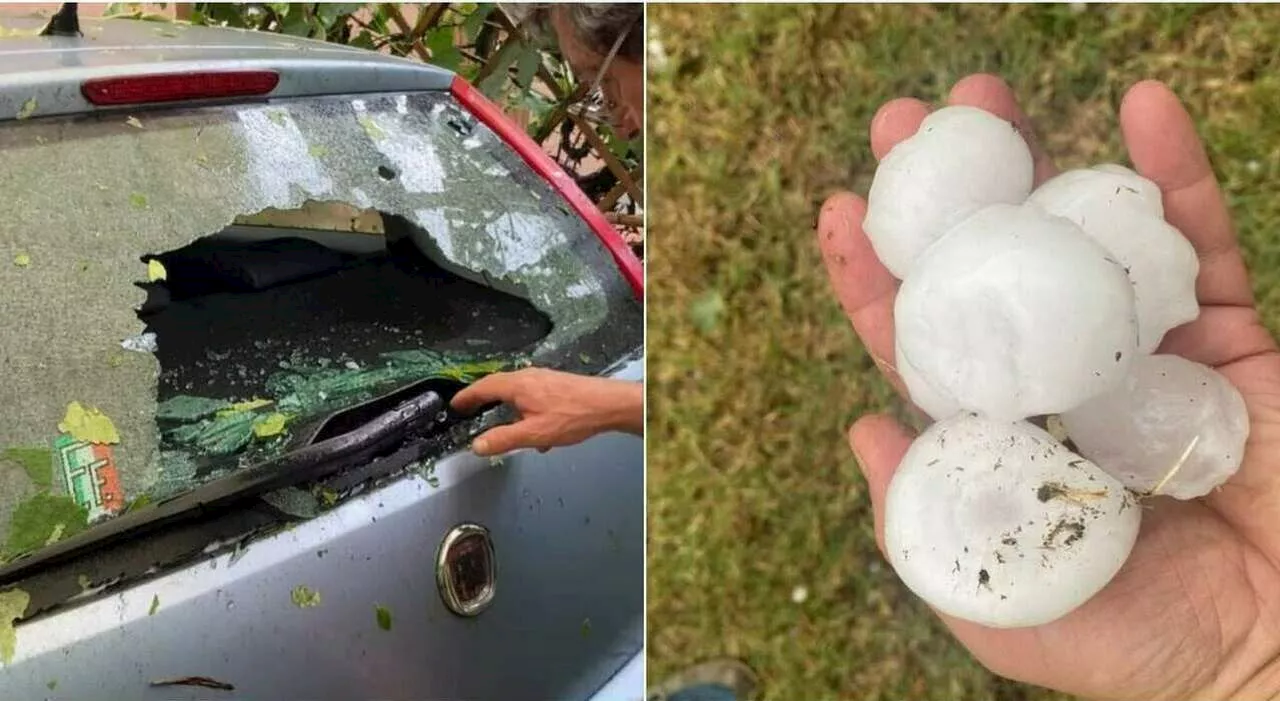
(715, 680)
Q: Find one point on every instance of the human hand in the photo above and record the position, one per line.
(556, 408)
(1195, 611)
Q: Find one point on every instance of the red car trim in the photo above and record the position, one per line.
(514, 136)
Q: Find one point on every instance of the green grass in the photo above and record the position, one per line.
(759, 113)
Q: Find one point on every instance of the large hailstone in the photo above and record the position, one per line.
(960, 160)
(1014, 313)
(1123, 211)
(1173, 427)
(997, 523)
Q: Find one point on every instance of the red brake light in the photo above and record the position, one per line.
(172, 87)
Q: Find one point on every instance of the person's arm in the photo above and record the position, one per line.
(556, 408)
(624, 402)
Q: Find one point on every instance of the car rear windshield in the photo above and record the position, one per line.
(183, 288)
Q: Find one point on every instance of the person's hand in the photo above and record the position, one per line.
(1195, 612)
(556, 408)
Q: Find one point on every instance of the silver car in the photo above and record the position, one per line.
(241, 275)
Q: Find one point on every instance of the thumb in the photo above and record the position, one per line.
(879, 442)
(504, 439)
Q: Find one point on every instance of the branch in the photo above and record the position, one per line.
(634, 221)
(610, 160)
(611, 198)
(429, 17)
(398, 18)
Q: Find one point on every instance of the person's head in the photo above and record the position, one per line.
(604, 45)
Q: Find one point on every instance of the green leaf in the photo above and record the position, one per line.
(305, 597)
(36, 519)
(141, 502)
(380, 23)
(293, 501)
(28, 108)
(88, 424)
(468, 71)
(363, 40)
(371, 127)
(443, 52)
(155, 605)
(540, 105)
(185, 408)
(383, 614)
(618, 146)
(13, 604)
(294, 21)
(221, 435)
(526, 67)
(472, 25)
(270, 425)
(492, 85)
(137, 200)
(219, 13)
(331, 12)
(37, 462)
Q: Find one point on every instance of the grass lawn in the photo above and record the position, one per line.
(760, 538)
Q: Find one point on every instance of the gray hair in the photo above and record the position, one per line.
(598, 25)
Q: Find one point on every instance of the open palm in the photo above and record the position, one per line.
(1195, 611)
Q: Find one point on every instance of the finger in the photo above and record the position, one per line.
(992, 94)
(1221, 336)
(879, 442)
(504, 439)
(895, 121)
(498, 387)
(1164, 147)
(864, 287)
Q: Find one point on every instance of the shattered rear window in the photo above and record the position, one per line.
(173, 312)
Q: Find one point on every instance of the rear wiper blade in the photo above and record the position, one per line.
(414, 417)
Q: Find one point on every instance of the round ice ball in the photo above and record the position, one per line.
(960, 160)
(1123, 211)
(1172, 427)
(1014, 313)
(937, 404)
(997, 523)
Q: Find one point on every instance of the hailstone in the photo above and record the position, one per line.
(1123, 211)
(996, 522)
(1013, 313)
(1173, 427)
(931, 401)
(960, 160)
